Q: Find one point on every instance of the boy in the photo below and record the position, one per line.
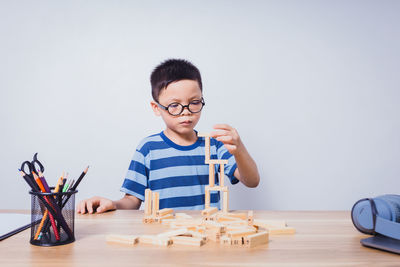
(172, 162)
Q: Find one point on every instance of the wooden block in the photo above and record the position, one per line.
(242, 216)
(196, 234)
(281, 231)
(225, 240)
(221, 218)
(221, 174)
(207, 198)
(250, 217)
(203, 134)
(154, 240)
(156, 202)
(213, 234)
(215, 225)
(159, 219)
(238, 223)
(269, 223)
(123, 239)
(209, 211)
(188, 241)
(232, 228)
(148, 219)
(217, 161)
(216, 188)
(190, 224)
(241, 233)
(179, 231)
(147, 202)
(225, 207)
(207, 148)
(237, 240)
(163, 212)
(256, 239)
(211, 174)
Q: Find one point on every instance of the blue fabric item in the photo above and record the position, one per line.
(378, 215)
(178, 173)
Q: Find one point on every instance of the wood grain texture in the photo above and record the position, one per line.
(323, 238)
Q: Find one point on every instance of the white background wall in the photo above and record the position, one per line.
(311, 86)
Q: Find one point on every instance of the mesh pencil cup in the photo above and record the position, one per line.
(52, 217)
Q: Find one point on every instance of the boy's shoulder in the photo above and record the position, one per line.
(149, 142)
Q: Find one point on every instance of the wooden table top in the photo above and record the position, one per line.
(323, 238)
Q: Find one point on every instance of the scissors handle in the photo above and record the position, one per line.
(36, 161)
(23, 166)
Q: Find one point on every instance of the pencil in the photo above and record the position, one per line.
(47, 212)
(80, 178)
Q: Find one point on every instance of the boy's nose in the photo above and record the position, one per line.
(186, 111)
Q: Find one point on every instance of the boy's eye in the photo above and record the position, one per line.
(174, 105)
(195, 102)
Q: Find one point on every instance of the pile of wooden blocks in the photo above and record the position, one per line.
(227, 228)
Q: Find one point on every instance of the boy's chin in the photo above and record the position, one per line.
(184, 130)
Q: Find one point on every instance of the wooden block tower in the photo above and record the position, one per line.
(211, 176)
(152, 213)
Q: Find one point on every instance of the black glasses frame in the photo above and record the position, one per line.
(182, 107)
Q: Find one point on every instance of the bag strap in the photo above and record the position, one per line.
(382, 225)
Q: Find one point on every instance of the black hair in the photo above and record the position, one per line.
(172, 70)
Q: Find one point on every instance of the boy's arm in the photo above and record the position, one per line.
(246, 171)
(101, 204)
(128, 202)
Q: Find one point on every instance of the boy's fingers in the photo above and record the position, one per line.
(226, 139)
(81, 207)
(215, 134)
(90, 206)
(222, 127)
(231, 148)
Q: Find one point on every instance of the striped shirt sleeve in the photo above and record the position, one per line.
(137, 176)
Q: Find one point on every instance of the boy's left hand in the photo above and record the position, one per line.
(228, 136)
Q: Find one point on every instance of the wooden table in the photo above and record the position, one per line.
(323, 238)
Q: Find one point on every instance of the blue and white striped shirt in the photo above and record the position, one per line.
(178, 173)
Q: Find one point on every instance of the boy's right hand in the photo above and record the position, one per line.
(95, 204)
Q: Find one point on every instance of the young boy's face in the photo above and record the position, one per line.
(182, 92)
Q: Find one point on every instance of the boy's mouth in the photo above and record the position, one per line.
(186, 122)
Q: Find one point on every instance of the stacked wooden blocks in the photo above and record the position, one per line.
(224, 227)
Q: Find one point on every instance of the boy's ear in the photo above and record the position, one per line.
(156, 108)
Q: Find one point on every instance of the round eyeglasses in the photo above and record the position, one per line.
(176, 109)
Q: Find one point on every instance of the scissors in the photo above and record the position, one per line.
(34, 166)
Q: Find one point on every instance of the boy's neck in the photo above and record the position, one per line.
(181, 139)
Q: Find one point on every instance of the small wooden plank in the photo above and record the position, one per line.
(207, 198)
(281, 231)
(123, 239)
(216, 188)
(188, 241)
(256, 239)
(154, 240)
(240, 233)
(221, 174)
(250, 217)
(147, 202)
(218, 161)
(269, 223)
(156, 202)
(209, 211)
(211, 174)
(163, 212)
(225, 205)
(168, 234)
